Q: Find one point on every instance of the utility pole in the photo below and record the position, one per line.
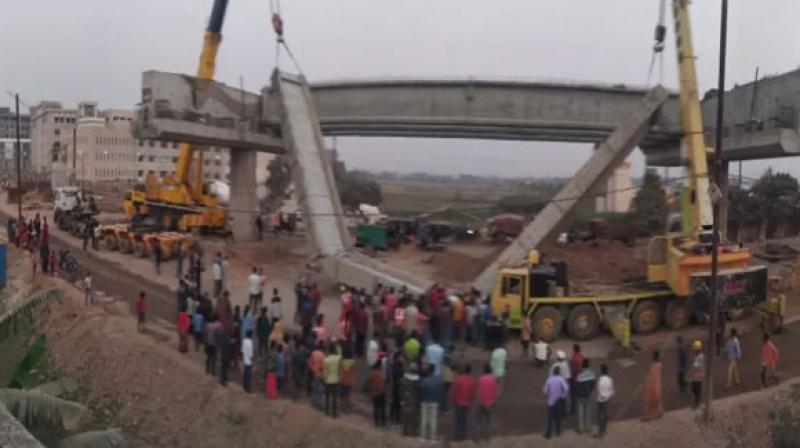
(19, 162)
(74, 154)
(713, 305)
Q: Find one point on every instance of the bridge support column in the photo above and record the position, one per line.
(725, 202)
(243, 203)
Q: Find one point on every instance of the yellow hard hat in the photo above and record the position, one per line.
(697, 344)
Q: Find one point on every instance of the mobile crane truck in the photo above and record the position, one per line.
(183, 201)
(678, 263)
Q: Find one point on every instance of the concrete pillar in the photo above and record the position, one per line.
(243, 203)
(725, 202)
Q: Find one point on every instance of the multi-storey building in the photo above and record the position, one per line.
(8, 142)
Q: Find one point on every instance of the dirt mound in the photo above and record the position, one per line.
(601, 261)
(455, 267)
(151, 390)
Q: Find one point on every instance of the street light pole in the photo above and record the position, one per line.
(714, 306)
(19, 162)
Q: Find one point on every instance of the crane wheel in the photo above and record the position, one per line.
(110, 242)
(646, 317)
(547, 323)
(583, 323)
(125, 245)
(678, 314)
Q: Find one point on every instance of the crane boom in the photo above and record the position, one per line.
(205, 70)
(692, 119)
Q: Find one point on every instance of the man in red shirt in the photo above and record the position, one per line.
(487, 397)
(463, 392)
(575, 366)
(361, 324)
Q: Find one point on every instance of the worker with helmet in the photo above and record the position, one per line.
(697, 371)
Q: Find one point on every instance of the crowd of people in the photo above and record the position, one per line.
(33, 236)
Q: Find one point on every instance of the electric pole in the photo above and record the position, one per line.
(713, 305)
(19, 162)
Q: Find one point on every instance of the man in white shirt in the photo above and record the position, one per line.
(372, 350)
(247, 360)
(498, 361)
(216, 274)
(541, 353)
(254, 288)
(87, 287)
(605, 390)
(275, 307)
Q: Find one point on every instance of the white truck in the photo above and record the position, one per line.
(73, 209)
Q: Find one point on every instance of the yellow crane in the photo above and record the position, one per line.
(183, 201)
(676, 256)
(678, 262)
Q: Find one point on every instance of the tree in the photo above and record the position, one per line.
(649, 207)
(279, 178)
(775, 198)
(355, 186)
(521, 203)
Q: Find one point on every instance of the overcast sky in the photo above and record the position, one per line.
(97, 49)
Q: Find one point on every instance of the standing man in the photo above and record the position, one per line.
(683, 363)
(410, 399)
(733, 351)
(434, 356)
(605, 390)
(584, 385)
(362, 324)
(260, 227)
(139, 311)
(430, 394)
(697, 372)
(377, 388)
(463, 392)
(216, 274)
(769, 361)
(276, 307)
(498, 361)
(331, 373)
(488, 391)
(211, 346)
(254, 287)
(87, 289)
(575, 366)
(556, 390)
(223, 341)
(247, 360)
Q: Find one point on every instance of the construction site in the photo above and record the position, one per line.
(252, 183)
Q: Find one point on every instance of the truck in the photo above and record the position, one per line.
(679, 263)
(74, 210)
(505, 227)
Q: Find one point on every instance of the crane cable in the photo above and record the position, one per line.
(280, 41)
(658, 45)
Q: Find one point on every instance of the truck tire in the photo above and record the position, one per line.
(646, 317)
(678, 314)
(547, 323)
(125, 245)
(583, 323)
(110, 242)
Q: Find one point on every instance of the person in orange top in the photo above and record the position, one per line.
(315, 364)
(769, 361)
(458, 318)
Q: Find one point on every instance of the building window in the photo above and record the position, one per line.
(206, 162)
(163, 144)
(141, 157)
(217, 163)
(174, 160)
(151, 158)
(57, 132)
(175, 145)
(162, 173)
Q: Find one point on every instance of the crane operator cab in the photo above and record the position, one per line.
(515, 287)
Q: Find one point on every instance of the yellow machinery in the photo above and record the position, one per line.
(540, 290)
(183, 201)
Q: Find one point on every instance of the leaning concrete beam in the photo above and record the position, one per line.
(13, 433)
(311, 171)
(359, 271)
(553, 218)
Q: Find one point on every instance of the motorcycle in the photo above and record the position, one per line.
(68, 265)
